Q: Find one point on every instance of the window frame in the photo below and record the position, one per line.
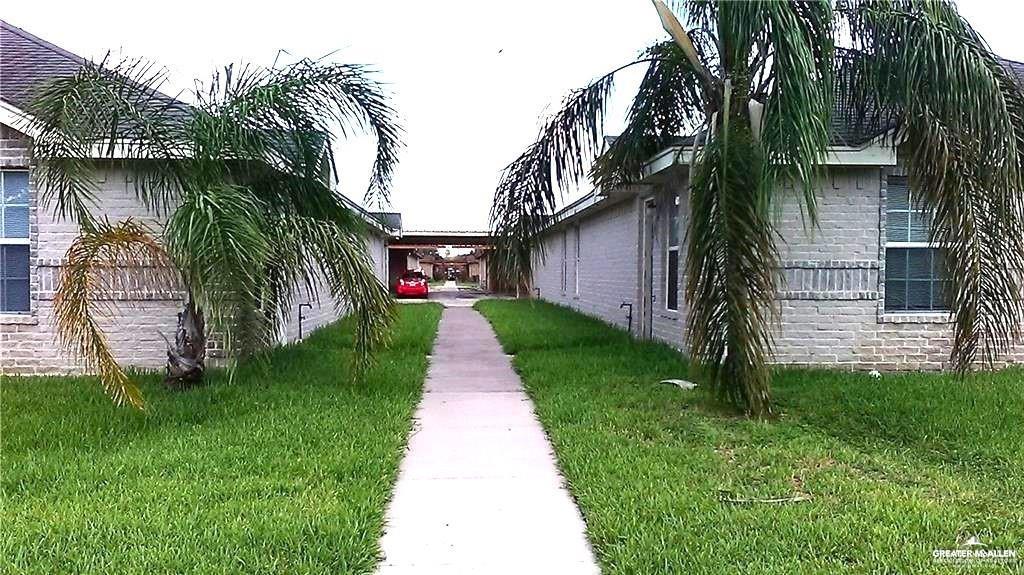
(907, 245)
(673, 204)
(26, 241)
(565, 264)
(576, 269)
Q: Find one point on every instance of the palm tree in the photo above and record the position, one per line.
(238, 183)
(755, 85)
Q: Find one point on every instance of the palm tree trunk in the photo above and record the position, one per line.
(186, 360)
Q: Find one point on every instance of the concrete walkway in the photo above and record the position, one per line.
(478, 490)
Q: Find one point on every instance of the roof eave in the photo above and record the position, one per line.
(368, 217)
(876, 152)
(16, 118)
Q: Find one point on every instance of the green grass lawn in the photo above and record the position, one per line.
(282, 470)
(894, 468)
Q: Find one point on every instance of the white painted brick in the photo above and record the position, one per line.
(136, 331)
(843, 329)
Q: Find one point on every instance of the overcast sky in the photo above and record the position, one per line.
(471, 79)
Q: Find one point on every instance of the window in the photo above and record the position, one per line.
(915, 272)
(576, 267)
(565, 264)
(14, 244)
(672, 259)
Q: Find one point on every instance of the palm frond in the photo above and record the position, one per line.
(277, 124)
(960, 134)
(284, 116)
(668, 103)
(925, 58)
(799, 103)
(558, 160)
(515, 245)
(730, 268)
(216, 238)
(691, 51)
(110, 258)
(338, 256)
(283, 193)
(108, 110)
(979, 229)
(700, 14)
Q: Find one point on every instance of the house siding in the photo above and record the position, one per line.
(608, 242)
(324, 309)
(831, 289)
(609, 268)
(141, 319)
(28, 342)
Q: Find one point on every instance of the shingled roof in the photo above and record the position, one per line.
(1016, 67)
(390, 220)
(28, 62)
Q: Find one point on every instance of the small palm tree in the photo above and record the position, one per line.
(755, 84)
(238, 184)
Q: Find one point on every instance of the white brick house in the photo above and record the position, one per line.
(33, 240)
(862, 291)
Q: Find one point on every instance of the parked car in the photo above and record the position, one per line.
(412, 284)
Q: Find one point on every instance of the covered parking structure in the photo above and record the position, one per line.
(411, 249)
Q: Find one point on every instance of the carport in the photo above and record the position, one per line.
(404, 247)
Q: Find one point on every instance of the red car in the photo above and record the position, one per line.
(412, 284)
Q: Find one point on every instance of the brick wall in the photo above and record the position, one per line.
(831, 300)
(14, 148)
(323, 308)
(140, 320)
(832, 279)
(607, 270)
(849, 334)
(847, 217)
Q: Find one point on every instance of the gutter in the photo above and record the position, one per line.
(577, 207)
(872, 153)
(19, 120)
(375, 223)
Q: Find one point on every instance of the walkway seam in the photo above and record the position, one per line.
(479, 490)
